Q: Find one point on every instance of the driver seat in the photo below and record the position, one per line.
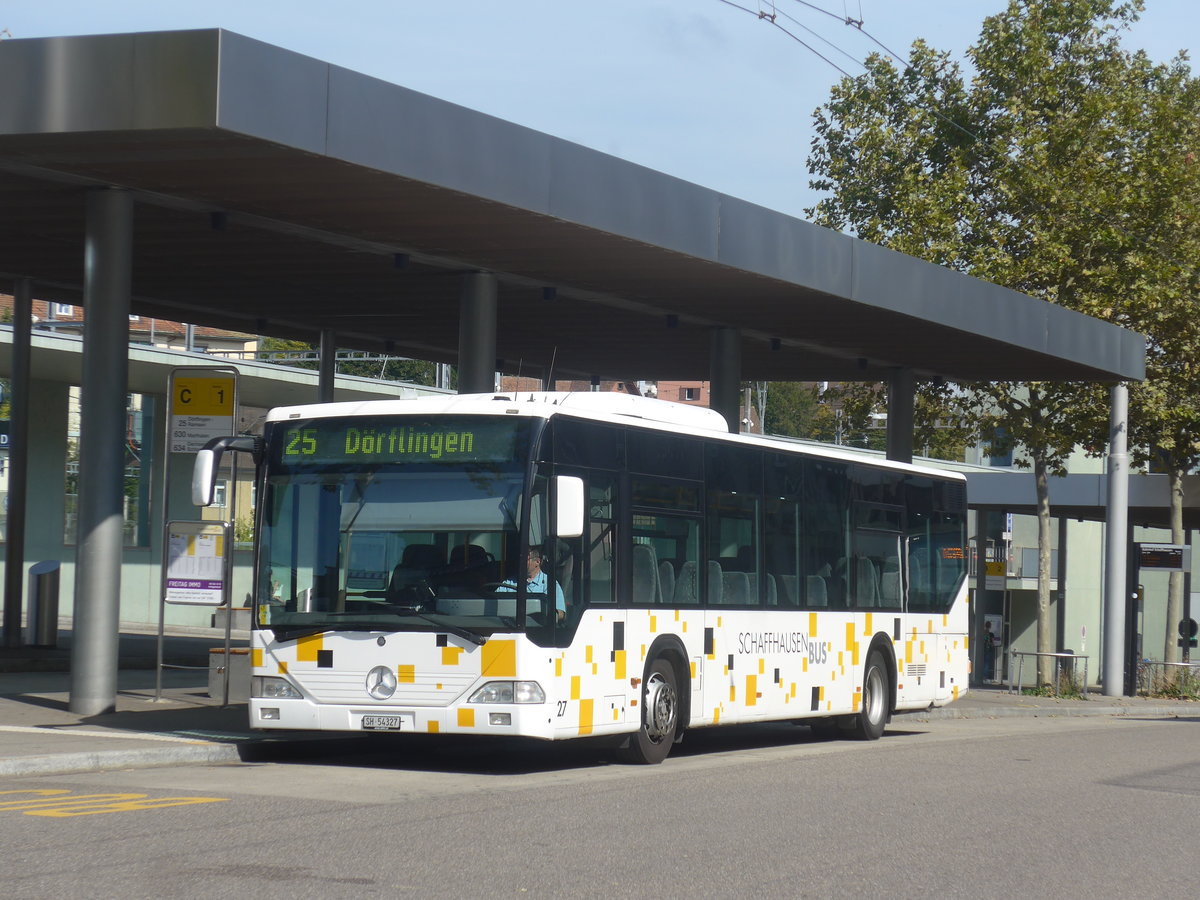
(417, 563)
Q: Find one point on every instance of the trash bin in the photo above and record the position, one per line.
(238, 671)
(42, 622)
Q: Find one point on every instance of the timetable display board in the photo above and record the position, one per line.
(196, 569)
(1165, 557)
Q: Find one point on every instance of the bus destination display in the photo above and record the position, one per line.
(397, 439)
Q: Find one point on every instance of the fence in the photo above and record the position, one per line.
(1064, 669)
(1158, 678)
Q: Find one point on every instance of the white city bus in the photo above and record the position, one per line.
(701, 578)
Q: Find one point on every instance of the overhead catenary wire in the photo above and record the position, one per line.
(772, 19)
(978, 148)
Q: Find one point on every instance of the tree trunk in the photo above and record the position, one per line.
(1045, 666)
(1171, 651)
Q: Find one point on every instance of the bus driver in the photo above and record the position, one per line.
(536, 582)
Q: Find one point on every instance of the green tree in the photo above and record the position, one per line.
(790, 408)
(1161, 249)
(941, 431)
(1029, 176)
(862, 406)
(409, 371)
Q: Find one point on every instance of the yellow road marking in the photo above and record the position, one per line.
(61, 804)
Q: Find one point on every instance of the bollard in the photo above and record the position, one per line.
(42, 623)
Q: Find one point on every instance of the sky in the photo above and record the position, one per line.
(699, 89)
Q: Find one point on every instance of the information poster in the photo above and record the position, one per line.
(196, 570)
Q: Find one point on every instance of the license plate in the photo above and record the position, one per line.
(382, 723)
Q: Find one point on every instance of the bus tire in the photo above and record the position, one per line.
(868, 725)
(651, 743)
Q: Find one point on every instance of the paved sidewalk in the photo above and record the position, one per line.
(994, 702)
(39, 735)
(182, 724)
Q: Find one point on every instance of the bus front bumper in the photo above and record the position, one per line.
(528, 720)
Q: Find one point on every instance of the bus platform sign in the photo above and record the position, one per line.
(203, 407)
(996, 575)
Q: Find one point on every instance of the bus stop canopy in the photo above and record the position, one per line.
(277, 194)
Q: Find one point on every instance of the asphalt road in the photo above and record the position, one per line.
(1034, 807)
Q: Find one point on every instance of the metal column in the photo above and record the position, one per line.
(725, 375)
(1116, 594)
(977, 613)
(443, 376)
(1060, 599)
(328, 367)
(901, 400)
(108, 246)
(1185, 653)
(18, 462)
(477, 334)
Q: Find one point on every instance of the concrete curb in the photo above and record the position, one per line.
(1008, 712)
(107, 760)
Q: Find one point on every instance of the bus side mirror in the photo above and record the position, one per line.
(204, 470)
(204, 478)
(569, 519)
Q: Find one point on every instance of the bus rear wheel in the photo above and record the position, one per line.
(868, 725)
(651, 743)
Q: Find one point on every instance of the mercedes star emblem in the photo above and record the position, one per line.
(381, 682)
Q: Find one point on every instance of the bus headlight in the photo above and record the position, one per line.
(274, 688)
(509, 692)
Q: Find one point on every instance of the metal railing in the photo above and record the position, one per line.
(1059, 672)
(1156, 677)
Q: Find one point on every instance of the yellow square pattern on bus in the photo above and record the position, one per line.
(500, 659)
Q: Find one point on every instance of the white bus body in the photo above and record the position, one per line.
(709, 579)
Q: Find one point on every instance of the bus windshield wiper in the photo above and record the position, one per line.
(477, 639)
(299, 630)
(292, 632)
(286, 633)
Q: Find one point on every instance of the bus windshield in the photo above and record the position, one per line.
(395, 524)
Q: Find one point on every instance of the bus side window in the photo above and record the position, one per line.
(825, 533)
(781, 534)
(734, 499)
(918, 502)
(670, 545)
(600, 532)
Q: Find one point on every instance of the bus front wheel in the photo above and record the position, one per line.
(870, 721)
(651, 743)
